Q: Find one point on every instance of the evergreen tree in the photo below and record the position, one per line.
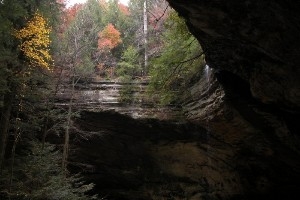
(37, 174)
(129, 66)
(178, 62)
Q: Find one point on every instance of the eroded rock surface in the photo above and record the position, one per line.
(256, 40)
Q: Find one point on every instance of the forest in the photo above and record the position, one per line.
(45, 46)
(152, 100)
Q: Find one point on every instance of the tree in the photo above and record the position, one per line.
(146, 38)
(30, 171)
(35, 41)
(179, 60)
(75, 55)
(145, 20)
(129, 66)
(37, 175)
(109, 38)
(69, 15)
(15, 62)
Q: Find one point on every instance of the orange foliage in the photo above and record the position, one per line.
(124, 9)
(69, 15)
(109, 38)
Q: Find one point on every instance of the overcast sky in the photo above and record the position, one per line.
(72, 2)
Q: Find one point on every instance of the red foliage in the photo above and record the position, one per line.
(109, 38)
(68, 16)
(124, 9)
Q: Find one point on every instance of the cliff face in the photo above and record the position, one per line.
(248, 99)
(128, 98)
(254, 40)
(251, 97)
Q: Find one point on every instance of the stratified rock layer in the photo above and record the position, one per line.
(128, 98)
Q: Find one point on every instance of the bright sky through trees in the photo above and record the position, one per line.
(72, 2)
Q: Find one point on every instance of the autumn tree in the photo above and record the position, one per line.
(21, 49)
(109, 38)
(69, 15)
(119, 16)
(35, 41)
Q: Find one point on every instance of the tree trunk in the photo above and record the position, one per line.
(46, 120)
(68, 125)
(145, 37)
(4, 125)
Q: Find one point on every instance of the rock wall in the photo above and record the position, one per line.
(128, 98)
(254, 40)
(147, 159)
(251, 101)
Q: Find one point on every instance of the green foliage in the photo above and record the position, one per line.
(129, 66)
(76, 46)
(128, 69)
(116, 16)
(127, 94)
(85, 68)
(33, 171)
(36, 174)
(179, 60)
(122, 21)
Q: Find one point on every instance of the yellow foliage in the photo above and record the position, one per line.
(35, 41)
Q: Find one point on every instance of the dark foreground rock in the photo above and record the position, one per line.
(149, 159)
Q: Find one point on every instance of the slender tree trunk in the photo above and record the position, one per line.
(68, 125)
(46, 120)
(145, 37)
(13, 153)
(4, 125)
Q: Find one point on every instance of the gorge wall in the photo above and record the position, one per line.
(252, 99)
(248, 100)
(127, 98)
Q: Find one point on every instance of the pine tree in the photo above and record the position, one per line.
(37, 175)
